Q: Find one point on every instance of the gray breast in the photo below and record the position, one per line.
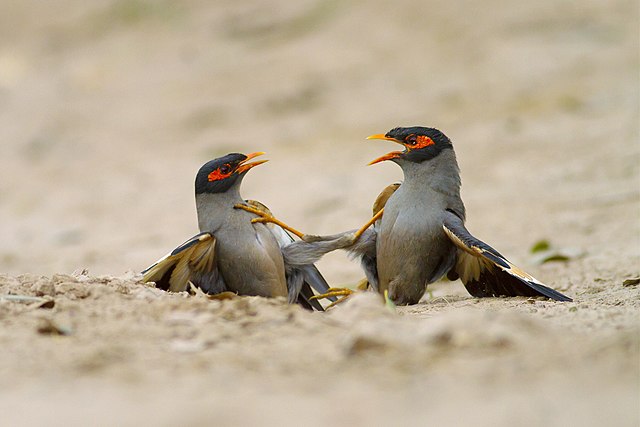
(249, 257)
(412, 249)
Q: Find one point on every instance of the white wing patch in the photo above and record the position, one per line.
(196, 254)
(471, 263)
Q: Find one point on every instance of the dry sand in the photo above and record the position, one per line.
(108, 108)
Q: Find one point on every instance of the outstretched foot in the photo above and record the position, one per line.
(265, 217)
(345, 239)
(344, 293)
(369, 223)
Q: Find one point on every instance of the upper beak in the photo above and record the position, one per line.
(244, 166)
(384, 137)
(388, 156)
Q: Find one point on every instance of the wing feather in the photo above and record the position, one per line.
(384, 196)
(367, 249)
(485, 272)
(193, 260)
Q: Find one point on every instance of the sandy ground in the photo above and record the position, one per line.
(108, 108)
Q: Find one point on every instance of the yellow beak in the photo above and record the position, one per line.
(383, 137)
(388, 156)
(246, 166)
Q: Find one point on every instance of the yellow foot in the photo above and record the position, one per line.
(265, 217)
(344, 293)
(369, 223)
(223, 296)
(388, 302)
(362, 285)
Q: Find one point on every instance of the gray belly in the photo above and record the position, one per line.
(253, 264)
(412, 251)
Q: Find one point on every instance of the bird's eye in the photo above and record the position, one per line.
(411, 140)
(225, 168)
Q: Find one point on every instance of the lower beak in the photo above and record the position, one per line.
(246, 166)
(389, 156)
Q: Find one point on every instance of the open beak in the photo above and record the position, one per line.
(244, 166)
(388, 156)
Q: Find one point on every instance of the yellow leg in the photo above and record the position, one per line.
(368, 224)
(265, 217)
(388, 302)
(362, 285)
(344, 293)
(223, 296)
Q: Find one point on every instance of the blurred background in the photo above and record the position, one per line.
(109, 107)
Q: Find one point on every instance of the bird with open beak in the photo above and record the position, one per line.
(232, 253)
(418, 232)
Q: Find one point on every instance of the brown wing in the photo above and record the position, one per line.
(259, 206)
(485, 273)
(382, 198)
(192, 260)
(368, 260)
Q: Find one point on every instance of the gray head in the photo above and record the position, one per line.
(221, 174)
(421, 144)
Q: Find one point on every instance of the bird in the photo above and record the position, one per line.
(233, 253)
(418, 232)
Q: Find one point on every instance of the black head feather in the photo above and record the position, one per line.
(226, 171)
(419, 155)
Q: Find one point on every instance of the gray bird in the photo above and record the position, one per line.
(232, 253)
(418, 232)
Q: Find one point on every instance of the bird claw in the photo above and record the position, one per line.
(344, 293)
(252, 210)
(264, 217)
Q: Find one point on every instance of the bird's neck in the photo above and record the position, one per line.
(214, 208)
(440, 174)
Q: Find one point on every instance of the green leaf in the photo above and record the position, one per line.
(388, 303)
(540, 245)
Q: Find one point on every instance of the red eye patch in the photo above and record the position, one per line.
(217, 175)
(423, 141)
